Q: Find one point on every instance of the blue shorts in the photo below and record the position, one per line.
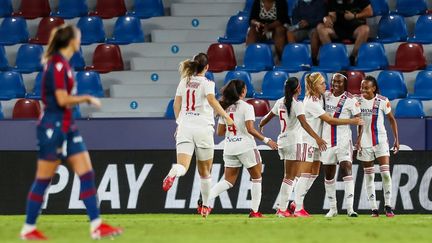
(54, 144)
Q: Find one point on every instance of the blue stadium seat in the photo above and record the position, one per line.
(148, 8)
(76, 112)
(295, 57)
(89, 82)
(1, 112)
(423, 86)
(422, 30)
(92, 30)
(303, 83)
(257, 58)
(409, 108)
(272, 86)
(236, 30)
(392, 84)
(11, 85)
(5, 8)
(36, 93)
(169, 113)
(332, 57)
(209, 76)
(392, 28)
(380, 7)
(410, 8)
(4, 65)
(127, 30)
(13, 30)
(245, 77)
(77, 61)
(371, 57)
(68, 9)
(28, 58)
(248, 6)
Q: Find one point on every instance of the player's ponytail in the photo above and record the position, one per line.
(60, 38)
(291, 85)
(312, 80)
(231, 93)
(374, 82)
(193, 66)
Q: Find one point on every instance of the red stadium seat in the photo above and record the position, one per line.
(409, 57)
(107, 9)
(261, 107)
(107, 58)
(221, 57)
(46, 25)
(354, 81)
(31, 9)
(26, 109)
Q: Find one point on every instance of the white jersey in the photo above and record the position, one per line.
(195, 112)
(237, 139)
(291, 129)
(344, 106)
(314, 108)
(373, 112)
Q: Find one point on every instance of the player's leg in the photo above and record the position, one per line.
(204, 165)
(384, 162)
(256, 190)
(302, 185)
(232, 169)
(184, 156)
(287, 186)
(330, 188)
(369, 177)
(345, 168)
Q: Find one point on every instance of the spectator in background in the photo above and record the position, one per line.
(346, 20)
(267, 21)
(307, 14)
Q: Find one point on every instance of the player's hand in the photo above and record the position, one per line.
(396, 146)
(349, 15)
(328, 22)
(322, 145)
(357, 121)
(357, 145)
(229, 121)
(94, 102)
(303, 24)
(272, 144)
(259, 26)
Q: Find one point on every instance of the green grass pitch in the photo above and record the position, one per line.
(177, 228)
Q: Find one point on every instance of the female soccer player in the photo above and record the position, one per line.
(292, 119)
(315, 115)
(373, 144)
(193, 108)
(339, 104)
(240, 147)
(59, 138)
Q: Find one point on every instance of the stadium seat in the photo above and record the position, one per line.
(92, 30)
(303, 82)
(1, 112)
(31, 9)
(410, 8)
(89, 82)
(221, 57)
(28, 58)
(248, 6)
(371, 57)
(332, 57)
(423, 86)
(354, 81)
(392, 28)
(272, 86)
(5, 8)
(243, 76)
(380, 7)
(209, 76)
(46, 25)
(409, 57)
(11, 85)
(295, 58)
(69, 9)
(127, 30)
(4, 65)
(76, 112)
(148, 8)
(106, 58)
(36, 93)
(392, 84)
(107, 9)
(13, 30)
(409, 108)
(77, 61)
(26, 109)
(261, 107)
(236, 30)
(169, 113)
(422, 30)
(258, 57)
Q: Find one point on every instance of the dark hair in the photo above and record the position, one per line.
(193, 66)
(345, 76)
(290, 87)
(374, 82)
(231, 93)
(60, 38)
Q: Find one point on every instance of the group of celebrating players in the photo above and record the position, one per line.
(313, 132)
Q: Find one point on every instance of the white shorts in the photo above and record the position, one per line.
(291, 152)
(200, 140)
(371, 153)
(310, 153)
(339, 153)
(247, 159)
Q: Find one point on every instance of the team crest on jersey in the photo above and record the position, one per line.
(59, 66)
(49, 133)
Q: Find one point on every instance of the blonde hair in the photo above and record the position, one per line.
(312, 80)
(60, 38)
(190, 67)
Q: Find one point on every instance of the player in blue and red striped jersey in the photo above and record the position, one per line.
(59, 138)
(373, 142)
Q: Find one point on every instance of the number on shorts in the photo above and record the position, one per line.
(232, 128)
(281, 112)
(190, 100)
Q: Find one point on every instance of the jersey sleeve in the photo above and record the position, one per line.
(180, 89)
(315, 109)
(249, 113)
(386, 106)
(59, 72)
(209, 88)
(298, 109)
(275, 109)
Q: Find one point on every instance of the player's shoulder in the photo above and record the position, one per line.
(381, 97)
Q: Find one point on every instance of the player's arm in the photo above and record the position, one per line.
(221, 130)
(66, 100)
(252, 131)
(218, 109)
(177, 106)
(394, 127)
(267, 118)
(321, 143)
(336, 121)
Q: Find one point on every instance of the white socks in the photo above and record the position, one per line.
(256, 194)
(220, 187)
(301, 190)
(205, 189)
(369, 175)
(285, 193)
(387, 184)
(349, 193)
(310, 182)
(27, 228)
(94, 224)
(177, 170)
(330, 188)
